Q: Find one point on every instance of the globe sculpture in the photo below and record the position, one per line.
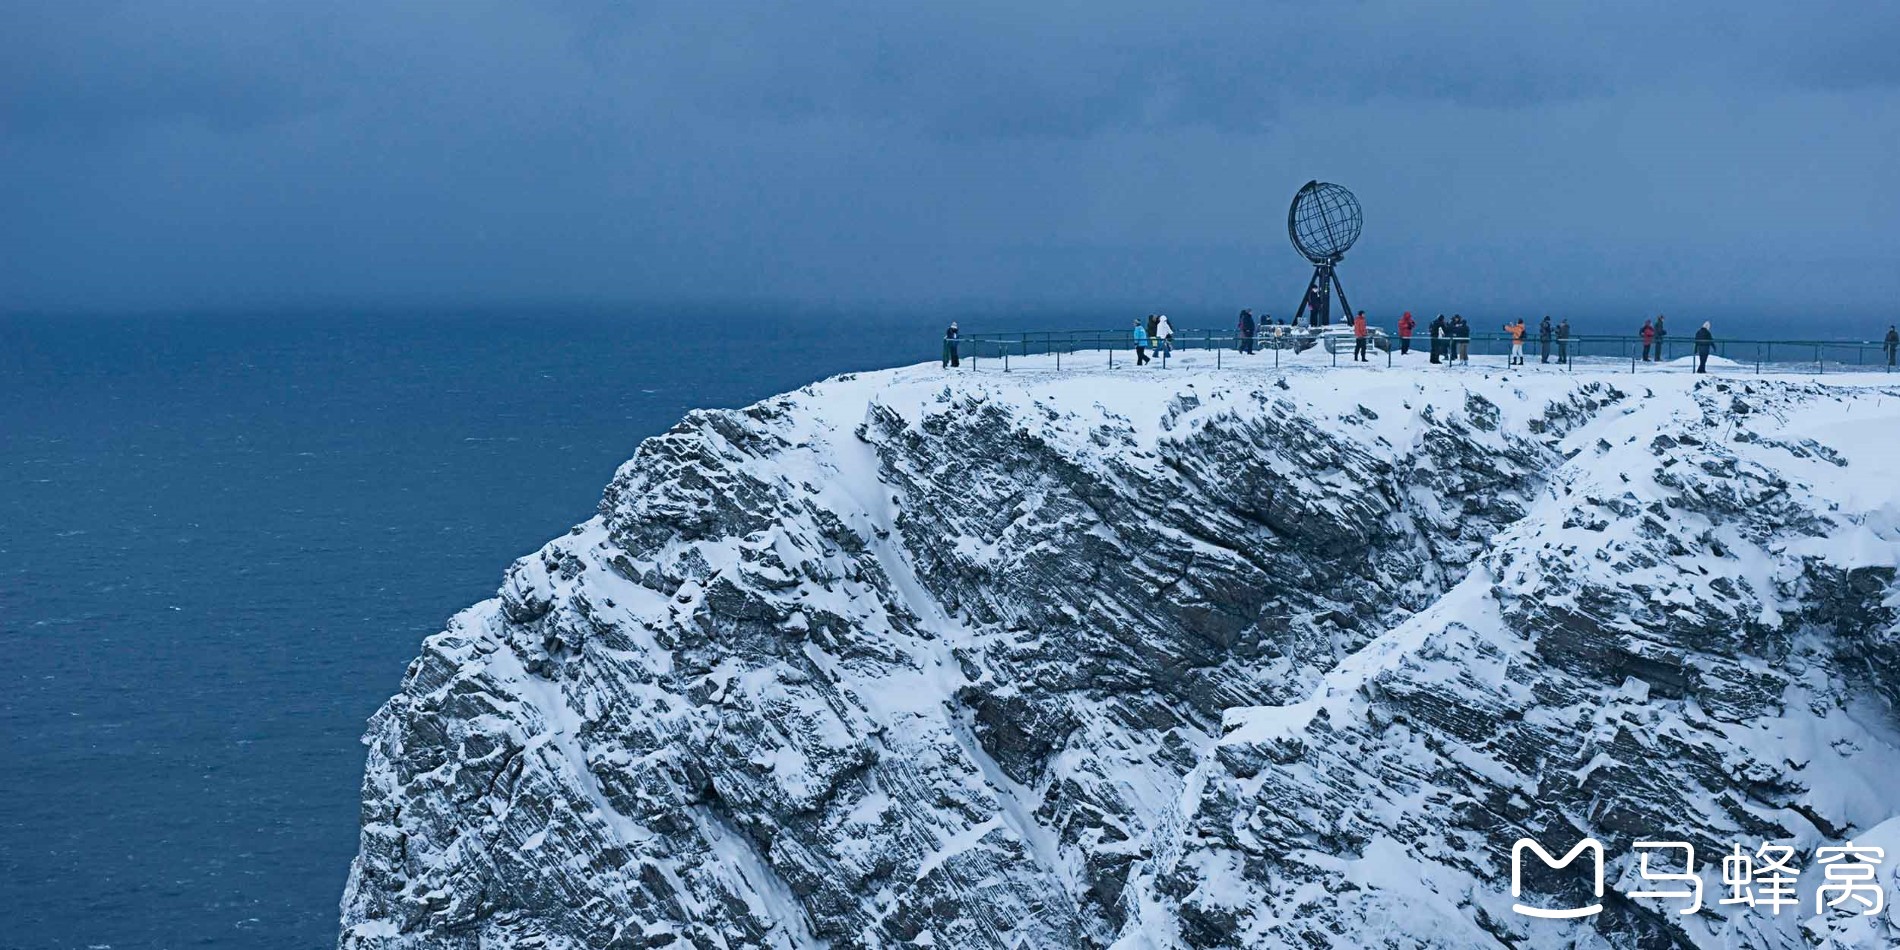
(1323, 222)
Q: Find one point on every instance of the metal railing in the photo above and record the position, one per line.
(1069, 348)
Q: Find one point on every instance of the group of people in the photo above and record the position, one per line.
(1157, 333)
(1654, 331)
(1546, 334)
(1249, 329)
(1450, 339)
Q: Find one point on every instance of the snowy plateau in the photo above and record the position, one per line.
(1154, 659)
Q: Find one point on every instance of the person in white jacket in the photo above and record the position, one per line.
(1164, 336)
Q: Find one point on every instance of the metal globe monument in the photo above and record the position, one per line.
(1323, 223)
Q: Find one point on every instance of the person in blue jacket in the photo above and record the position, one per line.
(1141, 344)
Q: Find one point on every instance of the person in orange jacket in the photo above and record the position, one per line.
(1406, 326)
(1517, 341)
(1360, 336)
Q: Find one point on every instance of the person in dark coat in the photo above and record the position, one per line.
(1893, 343)
(1544, 333)
(1660, 333)
(1563, 342)
(950, 347)
(1649, 338)
(1154, 329)
(1438, 338)
(1461, 339)
(1316, 299)
(1246, 331)
(1704, 345)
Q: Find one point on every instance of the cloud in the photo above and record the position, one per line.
(227, 152)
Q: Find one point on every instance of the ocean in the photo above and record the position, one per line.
(223, 538)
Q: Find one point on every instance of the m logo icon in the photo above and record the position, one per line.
(1561, 913)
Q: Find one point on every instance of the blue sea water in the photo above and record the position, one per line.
(223, 538)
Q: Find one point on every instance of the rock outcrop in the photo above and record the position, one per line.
(1197, 659)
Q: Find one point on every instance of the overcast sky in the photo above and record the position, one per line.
(1596, 155)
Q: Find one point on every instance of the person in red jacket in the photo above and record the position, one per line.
(1406, 326)
(1649, 337)
(1360, 336)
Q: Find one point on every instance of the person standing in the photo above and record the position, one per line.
(1461, 338)
(1544, 331)
(1893, 343)
(1659, 338)
(950, 345)
(1406, 326)
(1649, 338)
(1360, 335)
(1704, 345)
(1516, 330)
(1315, 299)
(1141, 344)
(1438, 337)
(1164, 338)
(1246, 331)
(1563, 342)
(1154, 330)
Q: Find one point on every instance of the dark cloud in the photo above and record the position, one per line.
(159, 154)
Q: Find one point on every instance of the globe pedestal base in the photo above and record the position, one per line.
(1317, 305)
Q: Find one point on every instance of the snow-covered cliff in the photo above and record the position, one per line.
(1166, 659)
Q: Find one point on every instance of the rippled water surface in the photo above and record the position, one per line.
(222, 539)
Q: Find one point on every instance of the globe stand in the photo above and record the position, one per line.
(1323, 223)
(1317, 306)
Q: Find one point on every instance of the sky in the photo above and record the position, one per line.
(1595, 155)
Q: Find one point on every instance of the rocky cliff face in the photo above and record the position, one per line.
(1187, 659)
